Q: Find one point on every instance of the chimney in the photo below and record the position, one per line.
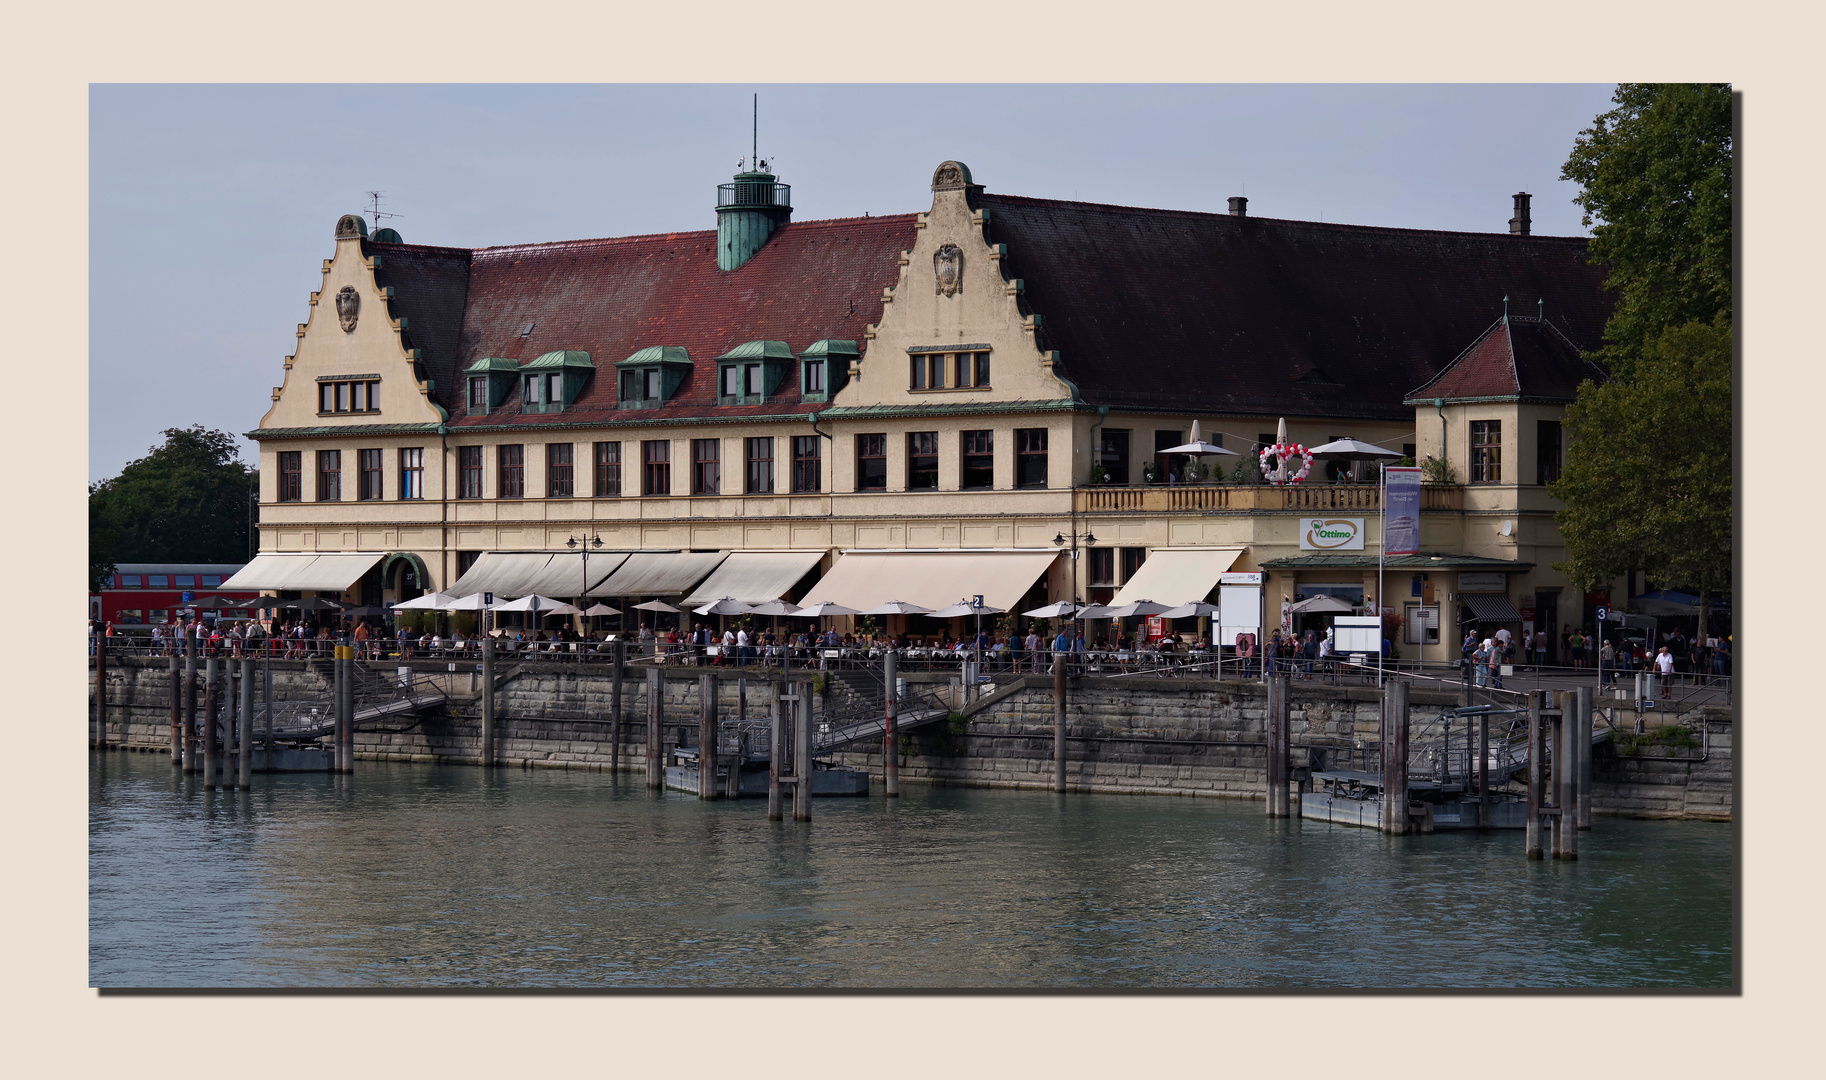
(1239, 206)
(1518, 225)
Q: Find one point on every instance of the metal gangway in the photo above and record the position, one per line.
(377, 697)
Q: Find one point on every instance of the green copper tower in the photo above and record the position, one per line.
(748, 210)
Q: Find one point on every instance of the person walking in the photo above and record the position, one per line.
(1664, 667)
(1033, 647)
(1607, 662)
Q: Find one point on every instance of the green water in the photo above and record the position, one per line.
(427, 876)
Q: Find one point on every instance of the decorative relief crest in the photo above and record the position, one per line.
(350, 225)
(948, 268)
(951, 174)
(348, 308)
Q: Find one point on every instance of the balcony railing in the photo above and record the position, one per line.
(755, 193)
(1302, 498)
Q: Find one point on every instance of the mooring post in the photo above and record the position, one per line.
(1395, 757)
(1283, 741)
(776, 746)
(244, 737)
(1566, 779)
(1483, 772)
(890, 753)
(1271, 731)
(267, 691)
(1536, 751)
(488, 701)
(621, 661)
(706, 736)
(209, 723)
(338, 763)
(1582, 710)
(190, 701)
(177, 714)
(231, 701)
(1058, 720)
(348, 707)
(656, 690)
(733, 787)
(101, 690)
(802, 753)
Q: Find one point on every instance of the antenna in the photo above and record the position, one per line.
(375, 211)
(1505, 307)
(755, 146)
(1541, 308)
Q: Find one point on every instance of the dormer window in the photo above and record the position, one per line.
(825, 368)
(650, 377)
(750, 372)
(488, 382)
(554, 380)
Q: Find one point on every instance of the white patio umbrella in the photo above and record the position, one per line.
(818, 611)
(1354, 449)
(1196, 609)
(1059, 609)
(1137, 607)
(1095, 611)
(601, 609)
(656, 605)
(725, 606)
(775, 608)
(432, 601)
(1198, 447)
(1321, 604)
(897, 607)
(472, 602)
(543, 605)
(961, 609)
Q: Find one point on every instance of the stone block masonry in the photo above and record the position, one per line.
(1161, 736)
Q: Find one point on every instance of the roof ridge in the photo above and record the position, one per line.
(603, 241)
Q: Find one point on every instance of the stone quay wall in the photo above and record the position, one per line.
(1185, 736)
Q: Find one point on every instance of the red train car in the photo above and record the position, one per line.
(141, 595)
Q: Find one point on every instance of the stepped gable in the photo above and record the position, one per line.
(1516, 358)
(613, 297)
(1183, 311)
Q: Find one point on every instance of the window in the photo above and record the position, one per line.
(291, 476)
(329, 475)
(953, 370)
(1486, 451)
(1030, 457)
(1102, 566)
(1171, 463)
(186, 581)
(211, 581)
(928, 371)
(529, 393)
(871, 463)
(811, 381)
(348, 396)
(554, 389)
(1132, 558)
(466, 559)
(1408, 450)
(558, 471)
(469, 472)
(129, 581)
(1546, 451)
(706, 466)
(412, 473)
(922, 461)
(979, 460)
(510, 472)
(608, 469)
(1113, 455)
(732, 381)
(982, 369)
(369, 463)
(158, 581)
(752, 374)
(650, 383)
(656, 467)
(760, 472)
(478, 395)
(808, 474)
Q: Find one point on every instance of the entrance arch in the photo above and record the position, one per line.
(404, 575)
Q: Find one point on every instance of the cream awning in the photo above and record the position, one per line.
(931, 579)
(304, 571)
(564, 575)
(504, 573)
(1177, 575)
(660, 573)
(754, 577)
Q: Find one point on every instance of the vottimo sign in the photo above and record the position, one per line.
(1331, 534)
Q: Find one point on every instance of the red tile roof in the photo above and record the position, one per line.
(1515, 357)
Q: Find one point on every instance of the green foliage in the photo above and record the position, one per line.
(1436, 470)
(185, 501)
(1655, 174)
(1675, 737)
(1647, 483)
(1244, 473)
(1099, 475)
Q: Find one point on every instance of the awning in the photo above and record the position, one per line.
(1490, 607)
(564, 575)
(755, 577)
(660, 573)
(931, 579)
(504, 573)
(1176, 576)
(304, 571)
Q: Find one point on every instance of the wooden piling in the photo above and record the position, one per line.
(177, 714)
(190, 702)
(244, 737)
(1566, 780)
(231, 719)
(1280, 724)
(706, 736)
(101, 690)
(210, 763)
(1395, 756)
(1536, 751)
(1483, 772)
(348, 708)
(339, 706)
(621, 663)
(890, 753)
(488, 701)
(776, 746)
(1582, 712)
(656, 703)
(802, 753)
(1058, 720)
(266, 690)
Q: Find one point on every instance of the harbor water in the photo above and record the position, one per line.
(431, 876)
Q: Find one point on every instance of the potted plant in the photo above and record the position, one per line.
(1151, 473)
(1099, 475)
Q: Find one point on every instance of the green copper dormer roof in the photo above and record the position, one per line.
(562, 358)
(759, 350)
(660, 354)
(492, 365)
(830, 347)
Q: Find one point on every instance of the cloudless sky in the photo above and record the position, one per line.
(212, 207)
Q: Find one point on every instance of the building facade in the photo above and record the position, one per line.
(976, 390)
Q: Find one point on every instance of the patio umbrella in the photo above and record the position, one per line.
(725, 606)
(818, 611)
(601, 609)
(313, 603)
(214, 602)
(961, 609)
(364, 611)
(656, 605)
(775, 608)
(431, 601)
(1355, 450)
(897, 607)
(1196, 609)
(1316, 605)
(1198, 447)
(1057, 610)
(536, 604)
(1095, 611)
(472, 602)
(1137, 607)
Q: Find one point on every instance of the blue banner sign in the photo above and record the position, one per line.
(1401, 512)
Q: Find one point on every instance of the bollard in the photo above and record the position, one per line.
(244, 737)
(1058, 721)
(706, 736)
(209, 723)
(802, 752)
(776, 745)
(1582, 712)
(621, 662)
(1395, 756)
(1536, 749)
(890, 753)
(656, 689)
(177, 715)
(487, 753)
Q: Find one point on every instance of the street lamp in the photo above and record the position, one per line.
(1060, 540)
(594, 541)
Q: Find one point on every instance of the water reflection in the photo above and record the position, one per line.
(423, 876)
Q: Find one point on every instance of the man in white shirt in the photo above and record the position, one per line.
(1664, 665)
(741, 647)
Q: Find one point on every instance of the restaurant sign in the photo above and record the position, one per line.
(1331, 534)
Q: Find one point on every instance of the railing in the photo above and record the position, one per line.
(753, 193)
(1304, 498)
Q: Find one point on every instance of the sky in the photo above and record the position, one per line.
(212, 207)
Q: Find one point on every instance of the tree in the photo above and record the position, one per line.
(185, 501)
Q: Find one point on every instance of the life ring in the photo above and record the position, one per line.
(1282, 452)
